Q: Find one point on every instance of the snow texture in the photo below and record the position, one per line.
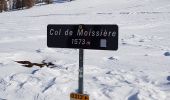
(139, 70)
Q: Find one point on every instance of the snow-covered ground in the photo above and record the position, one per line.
(139, 70)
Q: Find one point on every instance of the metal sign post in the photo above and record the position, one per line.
(98, 37)
(81, 54)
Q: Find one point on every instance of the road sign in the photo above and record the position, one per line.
(100, 37)
(76, 96)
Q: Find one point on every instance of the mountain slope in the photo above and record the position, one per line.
(139, 70)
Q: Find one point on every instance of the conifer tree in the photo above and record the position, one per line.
(3, 5)
(18, 4)
(48, 1)
(28, 3)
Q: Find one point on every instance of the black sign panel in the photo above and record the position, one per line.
(100, 37)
